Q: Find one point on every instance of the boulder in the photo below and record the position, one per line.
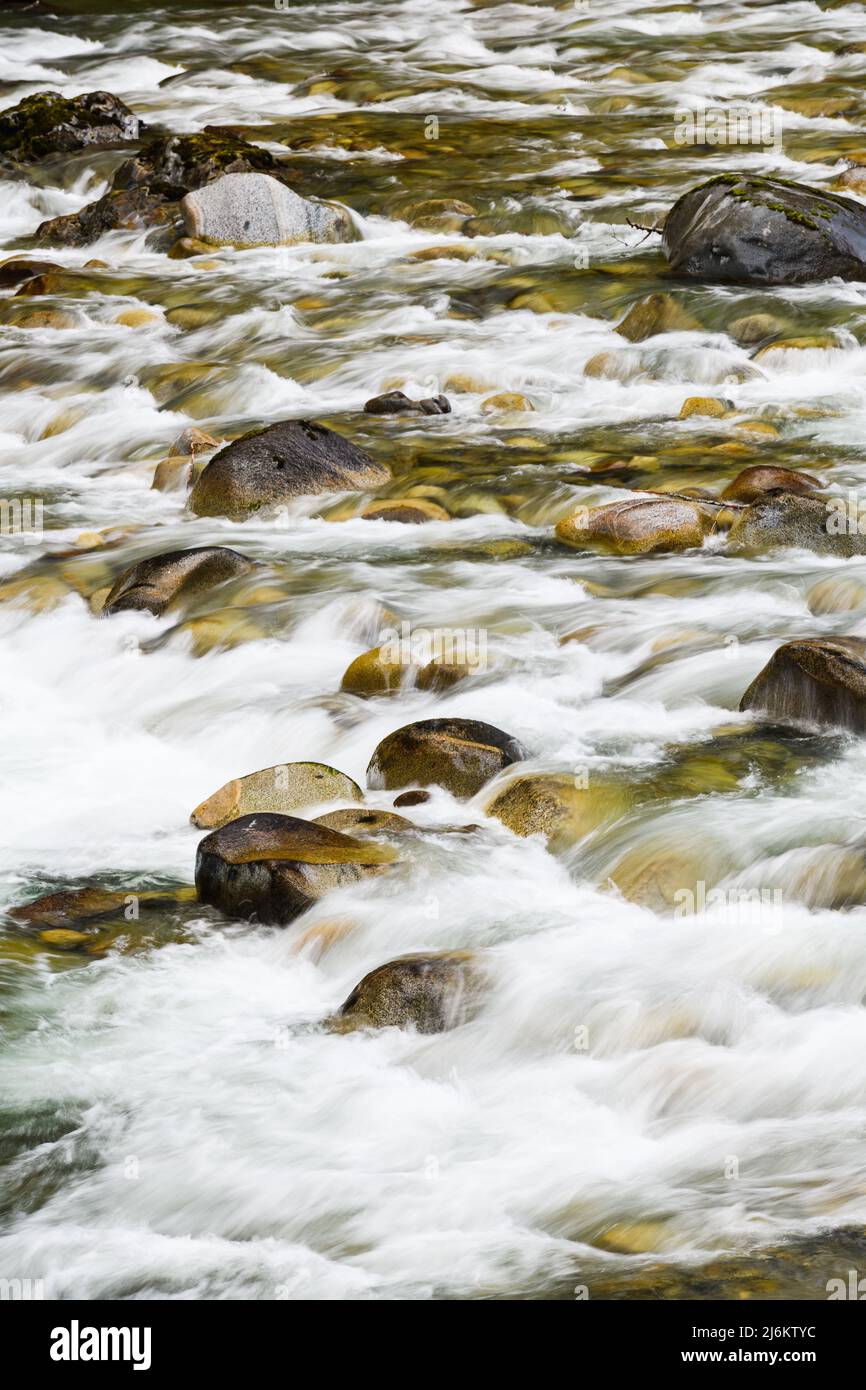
(267, 467)
(410, 511)
(756, 482)
(413, 798)
(70, 907)
(760, 231)
(561, 807)
(457, 754)
(284, 788)
(813, 681)
(18, 269)
(46, 123)
(128, 210)
(271, 868)
(836, 594)
(163, 581)
(658, 313)
(371, 674)
(430, 993)
(174, 165)
(704, 405)
(398, 403)
(799, 522)
(640, 526)
(363, 820)
(244, 210)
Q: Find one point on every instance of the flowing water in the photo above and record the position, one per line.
(649, 1098)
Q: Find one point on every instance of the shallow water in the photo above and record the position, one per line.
(643, 1092)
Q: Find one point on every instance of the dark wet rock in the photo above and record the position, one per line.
(271, 868)
(789, 520)
(284, 788)
(457, 754)
(760, 480)
(269, 466)
(19, 269)
(47, 123)
(640, 526)
(129, 210)
(414, 798)
(398, 403)
(430, 993)
(162, 581)
(760, 231)
(255, 209)
(814, 681)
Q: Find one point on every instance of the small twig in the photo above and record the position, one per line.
(639, 227)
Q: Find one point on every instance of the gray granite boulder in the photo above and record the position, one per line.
(257, 210)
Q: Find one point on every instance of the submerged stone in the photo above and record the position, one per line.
(639, 526)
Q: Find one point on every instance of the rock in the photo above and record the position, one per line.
(398, 403)
(759, 480)
(136, 318)
(457, 754)
(430, 993)
(559, 806)
(192, 316)
(193, 441)
(814, 681)
(130, 210)
(162, 581)
(18, 269)
(439, 675)
(641, 526)
(284, 788)
(416, 798)
(658, 313)
(836, 595)
(175, 474)
(44, 318)
(761, 231)
(174, 165)
(186, 247)
(370, 674)
(755, 328)
(46, 123)
(505, 401)
(245, 210)
(362, 820)
(222, 629)
(411, 511)
(70, 907)
(800, 522)
(438, 214)
(269, 466)
(704, 405)
(271, 868)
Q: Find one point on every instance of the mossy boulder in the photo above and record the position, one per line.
(640, 526)
(761, 479)
(563, 808)
(176, 164)
(284, 788)
(271, 868)
(460, 755)
(164, 581)
(46, 123)
(431, 993)
(816, 680)
(796, 521)
(745, 229)
(267, 467)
